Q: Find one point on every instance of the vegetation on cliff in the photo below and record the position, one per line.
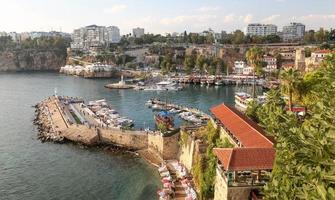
(42, 43)
(204, 170)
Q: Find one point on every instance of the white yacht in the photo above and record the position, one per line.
(242, 100)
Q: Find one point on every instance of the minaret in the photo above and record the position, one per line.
(55, 91)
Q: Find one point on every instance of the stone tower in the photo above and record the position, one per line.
(300, 60)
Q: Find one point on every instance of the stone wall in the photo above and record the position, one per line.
(190, 150)
(166, 147)
(170, 147)
(186, 156)
(128, 139)
(220, 188)
(238, 193)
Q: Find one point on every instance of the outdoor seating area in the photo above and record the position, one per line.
(177, 184)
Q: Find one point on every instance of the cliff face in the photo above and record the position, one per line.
(32, 60)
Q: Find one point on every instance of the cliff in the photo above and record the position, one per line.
(32, 60)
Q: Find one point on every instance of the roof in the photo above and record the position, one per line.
(239, 159)
(323, 51)
(245, 130)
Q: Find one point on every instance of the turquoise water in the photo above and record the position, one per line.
(33, 170)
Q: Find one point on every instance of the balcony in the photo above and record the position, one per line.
(244, 178)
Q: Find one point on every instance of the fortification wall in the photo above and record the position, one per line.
(128, 139)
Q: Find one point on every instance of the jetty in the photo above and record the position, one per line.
(217, 80)
(192, 115)
(62, 119)
(120, 85)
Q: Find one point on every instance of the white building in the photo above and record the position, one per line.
(261, 29)
(15, 36)
(241, 68)
(3, 34)
(93, 36)
(112, 34)
(294, 31)
(271, 63)
(316, 59)
(138, 32)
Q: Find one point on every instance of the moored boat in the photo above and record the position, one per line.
(164, 120)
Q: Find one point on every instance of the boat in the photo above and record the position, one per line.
(218, 82)
(157, 107)
(174, 111)
(242, 100)
(108, 117)
(165, 120)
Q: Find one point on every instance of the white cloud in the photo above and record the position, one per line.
(183, 19)
(228, 18)
(208, 8)
(314, 17)
(115, 9)
(247, 18)
(270, 19)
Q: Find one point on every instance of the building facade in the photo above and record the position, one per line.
(112, 34)
(138, 32)
(316, 59)
(243, 170)
(241, 68)
(93, 37)
(261, 29)
(271, 63)
(294, 31)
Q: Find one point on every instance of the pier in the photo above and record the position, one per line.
(217, 80)
(198, 117)
(59, 121)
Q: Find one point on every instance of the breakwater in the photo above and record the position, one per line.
(55, 123)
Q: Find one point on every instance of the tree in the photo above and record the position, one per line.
(273, 38)
(304, 166)
(254, 57)
(309, 37)
(238, 37)
(320, 36)
(201, 60)
(289, 80)
(189, 63)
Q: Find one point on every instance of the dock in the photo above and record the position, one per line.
(217, 80)
(181, 109)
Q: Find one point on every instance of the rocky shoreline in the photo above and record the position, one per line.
(46, 132)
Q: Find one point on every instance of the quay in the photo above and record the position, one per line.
(217, 80)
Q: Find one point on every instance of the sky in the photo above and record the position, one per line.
(166, 16)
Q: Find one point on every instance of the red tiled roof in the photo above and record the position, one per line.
(239, 159)
(323, 51)
(246, 131)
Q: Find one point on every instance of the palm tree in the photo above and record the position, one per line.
(289, 79)
(254, 58)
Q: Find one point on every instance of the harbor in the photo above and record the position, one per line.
(191, 115)
(178, 83)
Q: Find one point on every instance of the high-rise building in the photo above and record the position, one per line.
(293, 31)
(3, 34)
(94, 36)
(138, 32)
(261, 29)
(112, 34)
